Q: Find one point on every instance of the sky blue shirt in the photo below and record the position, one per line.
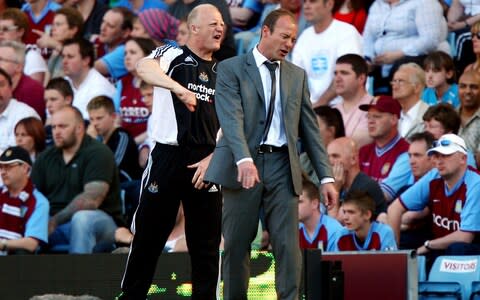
(378, 232)
(417, 197)
(451, 96)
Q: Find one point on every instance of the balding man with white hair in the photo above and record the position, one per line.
(407, 86)
(185, 130)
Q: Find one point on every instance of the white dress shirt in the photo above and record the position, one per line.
(276, 135)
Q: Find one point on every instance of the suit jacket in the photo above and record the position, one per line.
(240, 106)
(417, 124)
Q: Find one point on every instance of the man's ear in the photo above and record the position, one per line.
(69, 99)
(369, 214)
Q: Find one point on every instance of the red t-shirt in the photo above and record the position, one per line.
(133, 111)
(356, 18)
(30, 91)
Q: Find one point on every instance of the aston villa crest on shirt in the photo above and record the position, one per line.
(385, 168)
(458, 206)
(203, 77)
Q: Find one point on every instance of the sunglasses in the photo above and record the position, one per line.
(446, 143)
(476, 34)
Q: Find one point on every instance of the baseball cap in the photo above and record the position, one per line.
(448, 144)
(383, 103)
(15, 154)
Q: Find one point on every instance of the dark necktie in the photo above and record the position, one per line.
(271, 68)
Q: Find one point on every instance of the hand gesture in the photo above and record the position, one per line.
(330, 195)
(388, 57)
(248, 174)
(186, 96)
(339, 175)
(45, 40)
(202, 167)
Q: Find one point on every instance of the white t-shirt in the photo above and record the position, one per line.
(34, 62)
(317, 53)
(95, 84)
(14, 112)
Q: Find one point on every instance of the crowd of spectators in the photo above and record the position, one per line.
(401, 132)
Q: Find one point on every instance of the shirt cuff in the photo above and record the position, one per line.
(244, 159)
(327, 180)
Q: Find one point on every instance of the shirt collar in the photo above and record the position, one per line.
(411, 113)
(260, 59)
(7, 110)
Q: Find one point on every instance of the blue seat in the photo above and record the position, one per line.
(422, 268)
(475, 291)
(432, 290)
(451, 277)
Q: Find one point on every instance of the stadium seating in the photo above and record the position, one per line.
(475, 291)
(451, 277)
(422, 271)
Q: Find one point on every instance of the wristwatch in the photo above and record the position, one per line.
(427, 245)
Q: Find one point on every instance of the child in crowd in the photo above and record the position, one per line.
(440, 77)
(58, 94)
(361, 233)
(317, 230)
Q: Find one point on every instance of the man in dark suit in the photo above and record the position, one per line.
(257, 161)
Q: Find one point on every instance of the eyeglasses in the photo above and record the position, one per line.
(398, 81)
(476, 34)
(8, 28)
(8, 167)
(13, 61)
(446, 143)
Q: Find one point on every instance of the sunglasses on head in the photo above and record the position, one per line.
(446, 143)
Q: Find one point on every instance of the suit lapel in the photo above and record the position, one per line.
(254, 74)
(285, 81)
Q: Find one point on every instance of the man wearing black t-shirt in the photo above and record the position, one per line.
(80, 180)
(185, 129)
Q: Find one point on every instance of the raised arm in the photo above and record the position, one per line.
(149, 70)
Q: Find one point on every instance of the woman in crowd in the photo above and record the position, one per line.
(461, 15)
(475, 31)
(14, 26)
(67, 24)
(401, 31)
(134, 114)
(30, 135)
(157, 25)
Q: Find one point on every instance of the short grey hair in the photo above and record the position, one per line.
(18, 48)
(417, 74)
